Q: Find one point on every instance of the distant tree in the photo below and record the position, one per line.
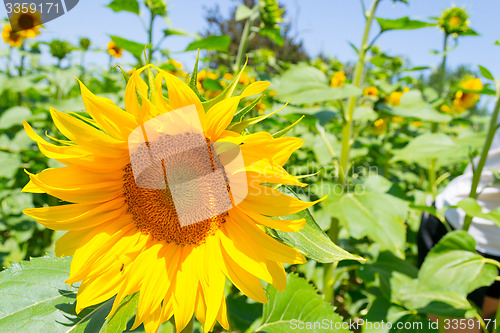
(260, 48)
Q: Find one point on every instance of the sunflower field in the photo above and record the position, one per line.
(258, 189)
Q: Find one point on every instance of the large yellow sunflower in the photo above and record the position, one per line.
(126, 239)
(27, 23)
(14, 39)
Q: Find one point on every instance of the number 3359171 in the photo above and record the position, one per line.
(27, 7)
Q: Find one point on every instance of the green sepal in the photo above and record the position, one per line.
(287, 129)
(228, 92)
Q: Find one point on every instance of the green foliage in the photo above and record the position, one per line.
(299, 302)
(403, 23)
(127, 5)
(211, 43)
(136, 49)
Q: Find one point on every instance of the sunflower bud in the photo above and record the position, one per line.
(85, 43)
(157, 7)
(454, 21)
(59, 49)
(270, 14)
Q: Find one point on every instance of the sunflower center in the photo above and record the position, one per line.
(186, 188)
(26, 21)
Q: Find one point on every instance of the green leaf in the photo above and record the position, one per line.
(298, 305)
(238, 116)
(273, 34)
(454, 265)
(378, 216)
(412, 105)
(14, 117)
(497, 42)
(403, 23)
(486, 73)
(243, 12)
(308, 85)
(430, 146)
(211, 43)
(36, 299)
(136, 49)
(472, 208)
(10, 163)
(127, 5)
(118, 321)
(311, 240)
(364, 113)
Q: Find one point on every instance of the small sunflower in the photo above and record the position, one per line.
(338, 79)
(379, 126)
(395, 97)
(454, 21)
(114, 50)
(371, 91)
(126, 239)
(26, 23)
(14, 39)
(465, 100)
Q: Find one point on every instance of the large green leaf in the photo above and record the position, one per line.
(472, 208)
(378, 216)
(211, 43)
(127, 5)
(403, 23)
(36, 299)
(413, 106)
(296, 307)
(311, 239)
(14, 117)
(136, 49)
(430, 146)
(454, 265)
(308, 85)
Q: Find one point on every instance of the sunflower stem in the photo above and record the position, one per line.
(150, 37)
(484, 155)
(442, 71)
(347, 127)
(242, 48)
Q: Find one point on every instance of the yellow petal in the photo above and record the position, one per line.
(283, 225)
(255, 88)
(111, 118)
(219, 117)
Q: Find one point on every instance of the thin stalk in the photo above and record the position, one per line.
(484, 155)
(328, 269)
(328, 280)
(358, 72)
(242, 48)
(497, 320)
(150, 37)
(442, 71)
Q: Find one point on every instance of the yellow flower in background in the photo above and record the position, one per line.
(202, 75)
(380, 126)
(272, 93)
(228, 76)
(465, 100)
(26, 23)
(417, 123)
(338, 79)
(244, 79)
(14, 39)
(370, 91)
(114, 50)
(395, 97)
(126, 239)
(398, 119)
(260, 107)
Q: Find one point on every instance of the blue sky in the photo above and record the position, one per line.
(324, 26)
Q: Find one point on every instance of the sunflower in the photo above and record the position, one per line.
(465, 100)
(14, 39)
(371, 91)
(26, 23)
(114, 50)
(338, 79)
(126, 238)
